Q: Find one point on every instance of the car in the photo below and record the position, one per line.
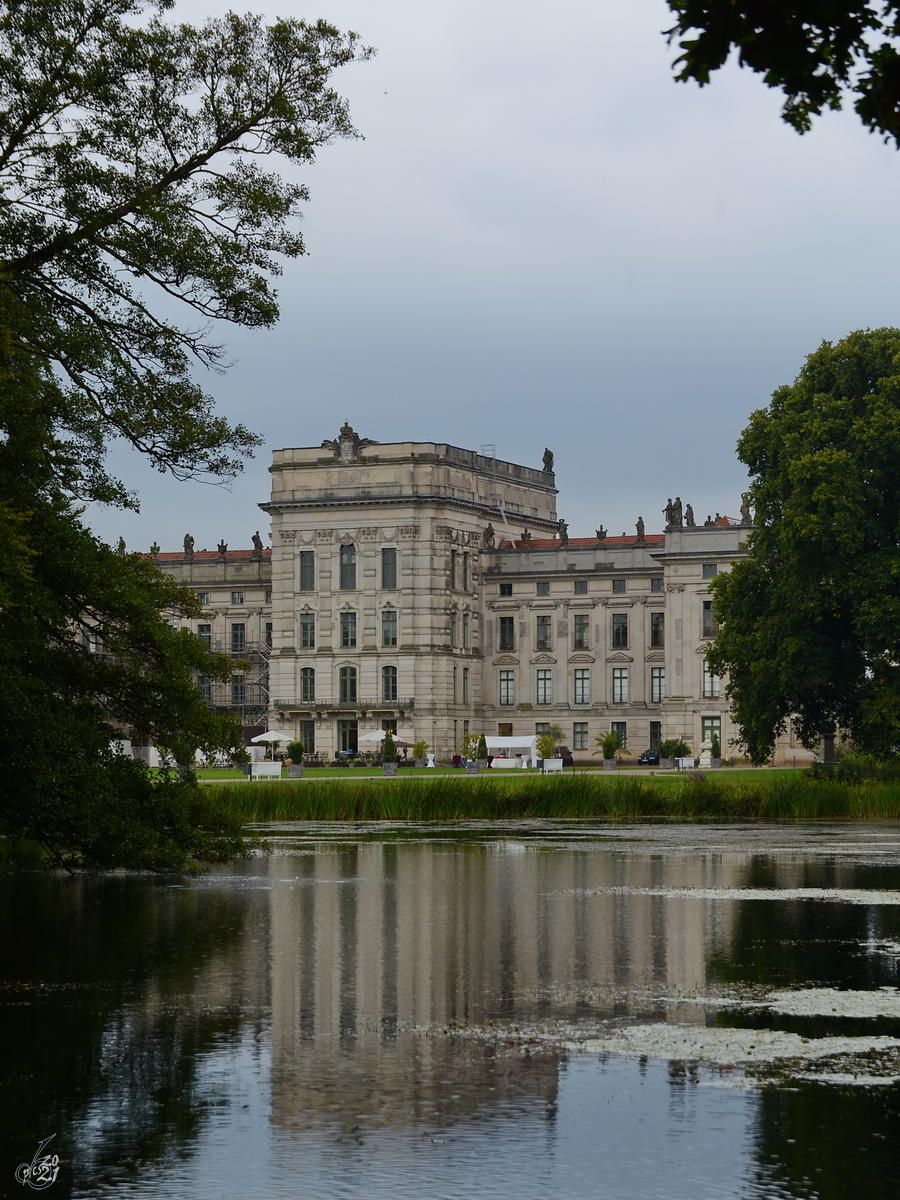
(650, 758)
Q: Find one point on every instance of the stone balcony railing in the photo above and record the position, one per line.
(334, 703)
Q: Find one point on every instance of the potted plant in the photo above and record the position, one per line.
(470, 752)
(610, 744)
(388, 755)
(715, 751)
(420, 749)
(294, 760)
(671, 749)
(482, 753)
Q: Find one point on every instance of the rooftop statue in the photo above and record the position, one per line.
(548, 460)
(487, 538)
(689, 517)
(640, 529)
(348, 444)
(563, 533)
(257, 545)
(188, 546)
(746, 516)
(676, 513)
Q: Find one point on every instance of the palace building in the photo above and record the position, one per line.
(434, 591)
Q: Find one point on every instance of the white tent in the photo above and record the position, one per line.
(377, 735)
(518, 745)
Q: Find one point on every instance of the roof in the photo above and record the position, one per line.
(651, 539)
(206, 555)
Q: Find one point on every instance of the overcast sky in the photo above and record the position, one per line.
(544, 240)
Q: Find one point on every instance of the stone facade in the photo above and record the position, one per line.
(433, 590)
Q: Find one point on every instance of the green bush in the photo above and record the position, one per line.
(482, 747)
(610, 743)
(420, 749)
(674, 748)
(295, 751)
(388, 750)
(716, 748)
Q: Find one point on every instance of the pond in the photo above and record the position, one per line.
(518, 1010)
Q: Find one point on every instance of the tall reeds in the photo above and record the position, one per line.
(449, 799)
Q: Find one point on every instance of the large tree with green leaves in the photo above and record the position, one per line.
(133, 183)
(811, 618)
(815, 51)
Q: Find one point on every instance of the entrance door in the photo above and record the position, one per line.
(348, 735)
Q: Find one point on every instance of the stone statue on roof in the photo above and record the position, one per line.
(257, 545)
(548, 460)
(563, 533)
(487, 538)
(689, 517)
(640, 529)
(347, 444)
(120, 549)
(746, 516)
(154, 549)
(669, 513)
(601, 534)
(188, 546)
(676, 513)
(526, 537)
(223, 549)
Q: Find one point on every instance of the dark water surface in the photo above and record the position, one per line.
(518, 1010)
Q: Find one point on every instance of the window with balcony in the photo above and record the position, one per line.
(307, 571)
(348, 568)
(620, 685)
(544, 692)
(507, 687)
(582, 631)
(620, 631)
(657, 685)
(710, 684)
(238, 638)
(347, 685)
(580, 735)
(348, 629)
(307, 631)
(204, 633)
(308, 736)
(389, 627)
(507, 633)
(582, 686)
(389, 568)
(543, 641)
(710, 624)
(389, 683)
(658, 629)
(307, 684)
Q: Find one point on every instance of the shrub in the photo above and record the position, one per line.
(546, 745)
(716, 748)
(420, 749)
(674, 748)
(482, 747)
(610, 743)
(388, 749)
(295, 751)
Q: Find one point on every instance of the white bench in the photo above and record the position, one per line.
(551, 764)
(265, 770)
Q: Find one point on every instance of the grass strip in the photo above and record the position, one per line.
(454, 799)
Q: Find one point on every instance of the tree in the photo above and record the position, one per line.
(388, 748)
(814, 50)
(131, 179)
(811, 618)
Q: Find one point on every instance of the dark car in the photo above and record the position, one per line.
(650, 758)
(565, 754)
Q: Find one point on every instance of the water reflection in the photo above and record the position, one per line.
(324, 1012)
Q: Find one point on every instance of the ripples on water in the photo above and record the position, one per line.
(515, 1010)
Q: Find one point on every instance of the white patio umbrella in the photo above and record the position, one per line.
(272, 736)
(377, 735)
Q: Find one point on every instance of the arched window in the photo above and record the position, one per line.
(348, 566)
(307, 684)
(347, 685)
(389, 683)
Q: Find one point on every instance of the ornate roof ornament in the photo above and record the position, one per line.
(348, 444)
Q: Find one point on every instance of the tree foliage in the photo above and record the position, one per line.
(815, 51)
(811, 618)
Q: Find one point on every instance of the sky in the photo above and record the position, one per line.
(544, 240)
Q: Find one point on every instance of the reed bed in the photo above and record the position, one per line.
(454, 799)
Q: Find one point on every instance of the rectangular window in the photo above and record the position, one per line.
(453, 557)
(307, 631)
(465, 631)
(657, 585)
(712, 728)
(348, 568)
(710, 684)
(465, 578)
(620, 685)
(389, 567)
(453, 631)
(238, 689)
(347, 685)
(204, 633)
(581, 587)
(268, 596)
(710, 570)
(389, 627)
(582, 686)
(307, 684)
(543, 587)
(238, 638)
(618, 587)
(710, 624)
(348, 628)
(507, 633)
(203, 597)
(455, 689)
(657, 629)
(348, 735)
(389, 683)
(505, 729)
(621, 728)
(269, 627)
(543, 633)
(582, 631)
(655, 734)
(237, 597)
(507, 687)
(620, 631)
(307, 571)
(308, 736)
(544, 686)
(506, 590)
(580, 735)
(465, 699)
(657, 685)
(205, 687)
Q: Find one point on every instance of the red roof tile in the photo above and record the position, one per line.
(206, 555)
